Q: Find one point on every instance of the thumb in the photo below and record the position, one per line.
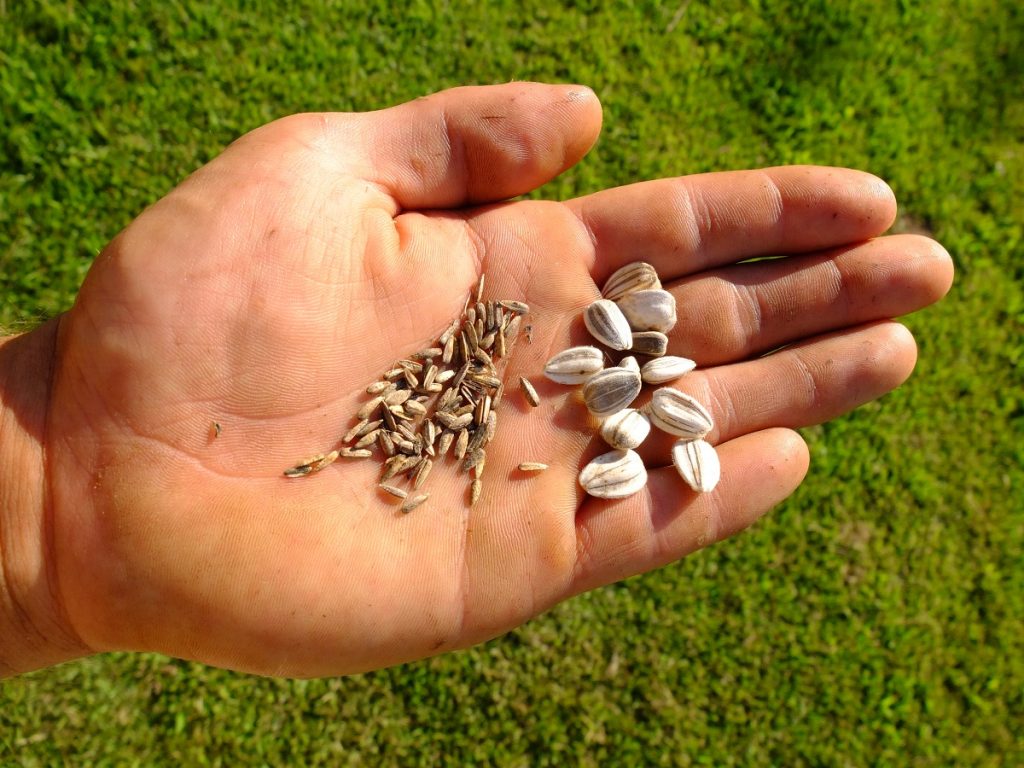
(476, 144)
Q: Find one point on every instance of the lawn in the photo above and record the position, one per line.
(876, 618)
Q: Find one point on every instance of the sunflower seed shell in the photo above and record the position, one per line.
(633, 277)
(697, 462)
(608, 325)
(614, 475)
(653, 343)
(667, 368)
(626, 429)
(678, 414)
(610, 391)
(649, 310)
(574, 366)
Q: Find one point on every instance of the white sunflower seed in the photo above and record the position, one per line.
(649, 310)
(698, 464)
(614, 475)
(667, 368)
(630, 364)
(575, 365)
(678, 414)
(608, 325)
(626, 429)
(633, 277)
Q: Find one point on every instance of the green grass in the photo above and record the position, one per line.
(874, 619)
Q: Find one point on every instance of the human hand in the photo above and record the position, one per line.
(267, 290)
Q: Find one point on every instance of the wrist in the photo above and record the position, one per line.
(34, 632)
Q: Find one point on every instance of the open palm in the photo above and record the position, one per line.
(272, 286)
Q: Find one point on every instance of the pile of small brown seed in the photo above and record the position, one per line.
(442, 396)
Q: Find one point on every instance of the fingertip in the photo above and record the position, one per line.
(941, 271)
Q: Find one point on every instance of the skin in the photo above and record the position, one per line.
(267, 290)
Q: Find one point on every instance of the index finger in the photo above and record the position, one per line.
(686, 224)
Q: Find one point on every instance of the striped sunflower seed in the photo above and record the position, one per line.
(608, 325)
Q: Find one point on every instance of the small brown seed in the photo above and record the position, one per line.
(455, 422)
(421, 473)
(448, 333)
(369, 407)
(445, 443)
(529, 392)
(415, 408)
(353, 433)
(377, 387)
(532, 466)
(492, 425)
(486, 379)
(499, 393)
(428, 354)
(499, 344)
(412, 503)
(429, 376)
(480, 288)
(368, 439)
(385, 442)
(460, 376)
(515, 306)
(396, 492)
(398, 397)
(449, 350)
(369, 427)
(352, 453)
(474, 491)
(481, 354)
(473, 458)
(394, 466)
(461, 443)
